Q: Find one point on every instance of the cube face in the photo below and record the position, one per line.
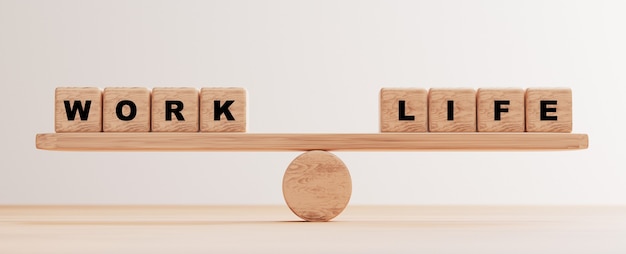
(78, 109)
(223, 110)
(500, 110)
(549, 110)
(175, 110)
(403, 110)
(126, 109)
(452, 110)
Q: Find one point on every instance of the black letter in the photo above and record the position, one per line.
(219, 110)
(120, 106)
(545, 110)
(71, 112)
(498, 109)
(169, 110)
(450, 110)
(402, 114)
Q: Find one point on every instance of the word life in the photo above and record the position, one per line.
(467, 110)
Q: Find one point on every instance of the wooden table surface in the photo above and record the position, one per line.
(274, 229)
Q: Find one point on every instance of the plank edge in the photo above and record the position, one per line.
(307, 142)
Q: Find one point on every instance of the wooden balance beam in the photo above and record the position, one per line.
(168, 141)
(317, 185)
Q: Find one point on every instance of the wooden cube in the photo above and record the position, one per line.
(452, 110)
(175, 110)
(77, 109)
(223, 109)
(500, 110)
(126, 109)
(403, 110)
(549, 110)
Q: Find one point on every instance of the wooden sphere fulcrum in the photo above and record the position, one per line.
(317, 186)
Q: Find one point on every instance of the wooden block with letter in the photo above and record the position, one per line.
(500, 110)
(126, 109)
(77, 109)
(403, 110)
(549, 110)
(452, 110)
(223, 109)
(175, 109)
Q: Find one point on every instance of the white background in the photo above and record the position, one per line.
(312, 67)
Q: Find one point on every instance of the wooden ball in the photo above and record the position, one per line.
(317, 186)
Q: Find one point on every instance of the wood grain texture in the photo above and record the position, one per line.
(317, 186)
(140, 96)
(511, 121)
(153, 141)
(93, 123)
(189, 97)
(238, 109)
(464, 110)
(274, 229)
(563, 97)
(415, 105)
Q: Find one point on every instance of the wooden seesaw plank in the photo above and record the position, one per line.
(151, 141)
